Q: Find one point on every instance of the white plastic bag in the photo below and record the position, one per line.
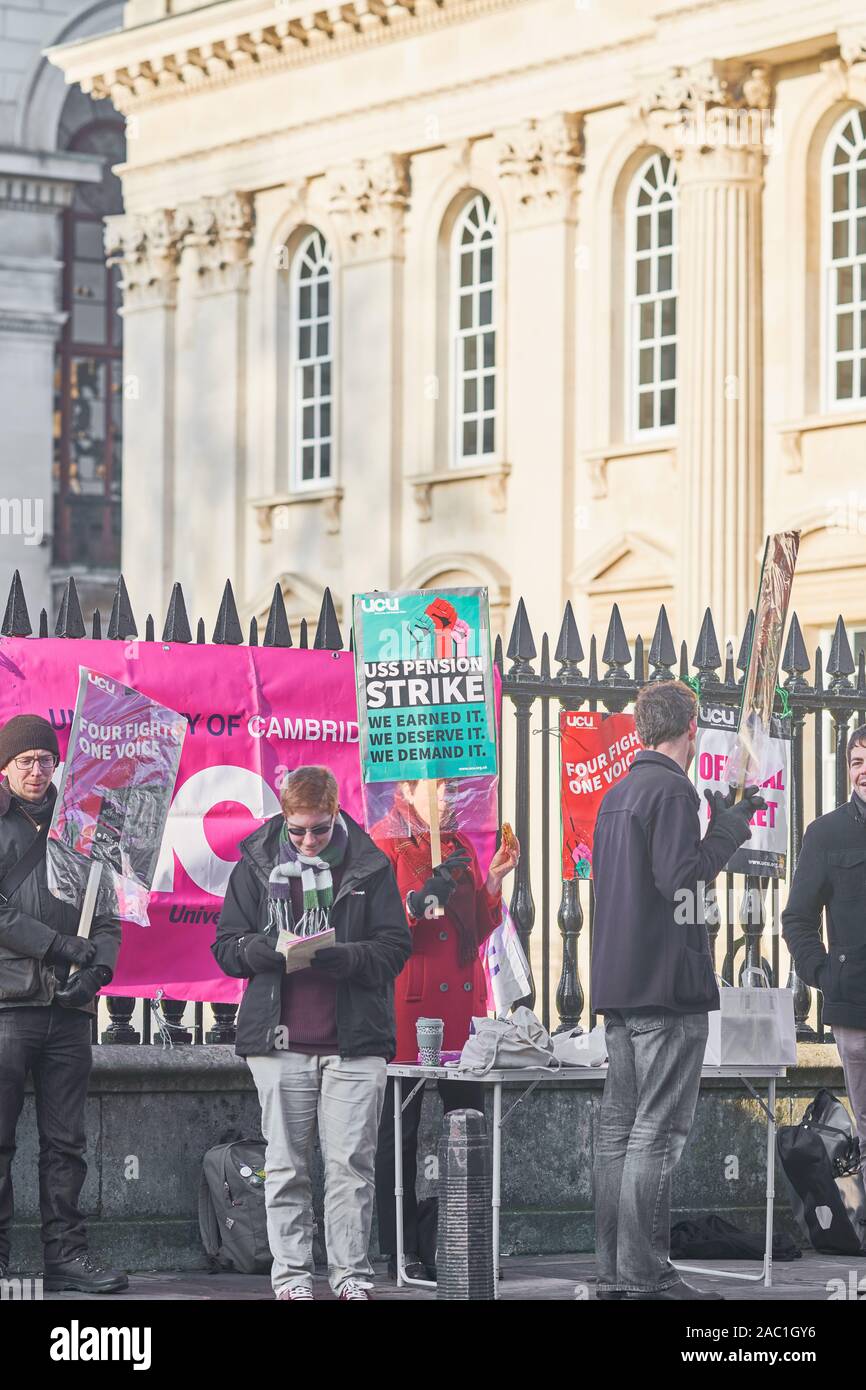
(753, 1028)
(503, 1043)
(579, 1049)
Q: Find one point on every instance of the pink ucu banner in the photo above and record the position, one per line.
(252, 714)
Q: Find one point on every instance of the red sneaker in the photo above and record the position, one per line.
(296, 1293)
(354, 1291)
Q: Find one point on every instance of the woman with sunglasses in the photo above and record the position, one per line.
(317, 1041)
(442, 979)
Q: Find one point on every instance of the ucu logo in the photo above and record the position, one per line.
(103, 682)
(719, 714)
(380, 605)
(580, 721)
(185, 835)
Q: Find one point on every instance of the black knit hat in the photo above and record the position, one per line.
(23, 732)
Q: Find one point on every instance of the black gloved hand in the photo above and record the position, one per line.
(336, 960)
(261, 955)
(734, 820)
(83, 986)
(440, 885)
(718, 802)
(70, 950)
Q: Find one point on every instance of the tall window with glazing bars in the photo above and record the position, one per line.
(312, 365)
(651, 388)
(844, 236)
(474, 333)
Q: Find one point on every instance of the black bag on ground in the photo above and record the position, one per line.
(821, 1161)
(231, 1207)
(713, 1238)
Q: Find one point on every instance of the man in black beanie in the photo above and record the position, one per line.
(46, 1007)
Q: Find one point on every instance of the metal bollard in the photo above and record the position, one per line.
(464, 1261)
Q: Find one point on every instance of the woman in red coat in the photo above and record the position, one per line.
(443, 977)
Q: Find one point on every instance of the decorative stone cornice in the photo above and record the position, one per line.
(147, 248)
(26, 193)
(218, 233)
(493, 475)
(847, 72)
(273, 513)
(32, 325)
(711, 105)
(369, 198)
(539, 162)
(172, 57)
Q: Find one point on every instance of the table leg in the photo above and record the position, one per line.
(398, 1177)
(497, 1179)
(771, 1182)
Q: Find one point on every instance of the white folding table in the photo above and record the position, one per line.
(531, 1077)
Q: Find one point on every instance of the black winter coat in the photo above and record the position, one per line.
(32, 917)
(367, 916)
(831, 874)
(649, 947)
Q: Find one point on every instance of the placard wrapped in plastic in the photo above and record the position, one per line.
(115, 792)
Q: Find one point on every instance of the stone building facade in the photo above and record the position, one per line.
(559, 297)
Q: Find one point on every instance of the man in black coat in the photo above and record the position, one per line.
(45, 1016)
(653, 979)
(831, 874)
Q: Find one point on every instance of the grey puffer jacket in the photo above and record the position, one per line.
(32, 916)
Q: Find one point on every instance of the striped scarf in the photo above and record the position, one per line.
(317, 884)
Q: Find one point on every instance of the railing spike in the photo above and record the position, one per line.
(277, 630)
(70, 620)
(227, 629)
(96, 625)
(662, 652)
(521, 650)
(254, 631)
(177, 628)
(746, 644)
(795, 661)
(149, 628)
(840, 664)
(16, 619)
(569, 649)
(545, 657)
(707, 658)
(328, 636)
(199, 633)
(121, 624)
(304, 635)
(43, 623)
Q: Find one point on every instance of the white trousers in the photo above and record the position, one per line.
(343, 1095)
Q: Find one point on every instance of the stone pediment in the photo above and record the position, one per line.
(630, 561)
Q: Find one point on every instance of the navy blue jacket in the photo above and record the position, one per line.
(649, 946)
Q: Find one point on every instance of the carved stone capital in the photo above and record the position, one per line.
(370, 198)
(847, 72)
(218, 233)
(539, 163)
(709, 106)
(146, 246)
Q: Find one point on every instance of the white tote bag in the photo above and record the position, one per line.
(504, 1043)
(754, 1027)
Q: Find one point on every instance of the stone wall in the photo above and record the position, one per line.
(152, 1114)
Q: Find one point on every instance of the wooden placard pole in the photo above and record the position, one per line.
(88, 907)
(435, 836)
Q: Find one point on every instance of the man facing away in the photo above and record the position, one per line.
(831, 873)
(654, 981)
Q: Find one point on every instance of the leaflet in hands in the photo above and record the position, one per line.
(299, 950)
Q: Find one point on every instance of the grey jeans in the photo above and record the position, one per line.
(343, 1097)
(653, 1079)
(851, 1043)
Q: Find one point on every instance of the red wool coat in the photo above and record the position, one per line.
(433, 982)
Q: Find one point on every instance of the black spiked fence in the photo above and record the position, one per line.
(536, 693)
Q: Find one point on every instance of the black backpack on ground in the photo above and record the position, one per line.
(821, 1161)
(231, 1207)
(713, 1238)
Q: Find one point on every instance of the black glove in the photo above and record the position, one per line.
(336, 960)
(718, 802)
(70, 950)
(83, 986)
(261, 955)
(734, 820)
(440, 885)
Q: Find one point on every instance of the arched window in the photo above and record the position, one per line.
(312, 387)
(651, 291)
(844, 224)
(474, 332)
(88, 377)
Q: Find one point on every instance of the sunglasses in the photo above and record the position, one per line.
(299, 832)
(46, 763)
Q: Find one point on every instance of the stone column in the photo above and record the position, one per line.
(146, 247)
(367, 201)
(211, 395)
(715, 121)
(539, 162)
